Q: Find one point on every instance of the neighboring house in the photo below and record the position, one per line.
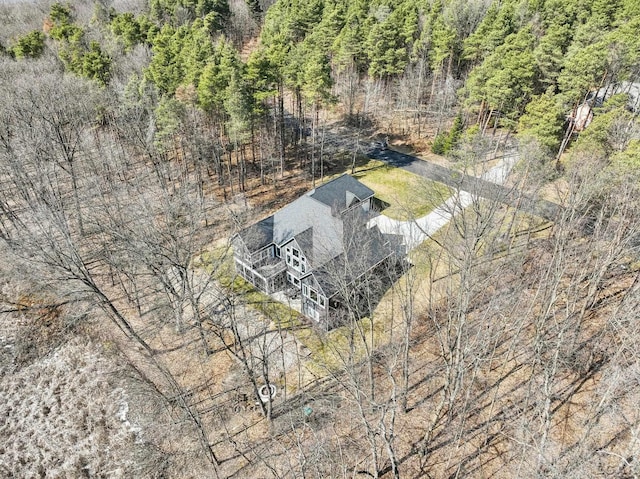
(582, 115)
(319, 246)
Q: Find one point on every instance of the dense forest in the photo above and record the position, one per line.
(137, 137)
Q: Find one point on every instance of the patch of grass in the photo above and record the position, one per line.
(341, 346)
(216, 261)
(273, 310)
(429, 255)
(409, 195)
(330, 350)
(219, 263)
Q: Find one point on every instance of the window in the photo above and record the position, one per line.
(295, 259)
(293, 280)
(314, 296)
(277, 249)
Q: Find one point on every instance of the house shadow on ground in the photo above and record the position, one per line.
(379, 205)
(365, 297)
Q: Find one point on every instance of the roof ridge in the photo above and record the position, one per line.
(334, 179)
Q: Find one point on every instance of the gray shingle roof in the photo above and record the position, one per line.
(312, 221)
(335, 193)
(258, 235)
(364, 249)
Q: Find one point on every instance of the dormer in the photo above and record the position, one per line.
(351, 199)
(342, 194)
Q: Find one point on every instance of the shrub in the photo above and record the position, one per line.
(439, 146)
(29, 46)
(443, 143)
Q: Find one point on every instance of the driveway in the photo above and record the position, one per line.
(489, 185)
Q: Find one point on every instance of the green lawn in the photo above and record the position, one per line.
(409, 195)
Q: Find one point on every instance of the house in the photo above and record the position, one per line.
(319, 247)
(582, 115)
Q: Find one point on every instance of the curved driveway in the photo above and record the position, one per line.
(489, 185)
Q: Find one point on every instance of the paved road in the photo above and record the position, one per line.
(489, 185)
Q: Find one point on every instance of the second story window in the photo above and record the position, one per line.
(314, 296)
(295, 259)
